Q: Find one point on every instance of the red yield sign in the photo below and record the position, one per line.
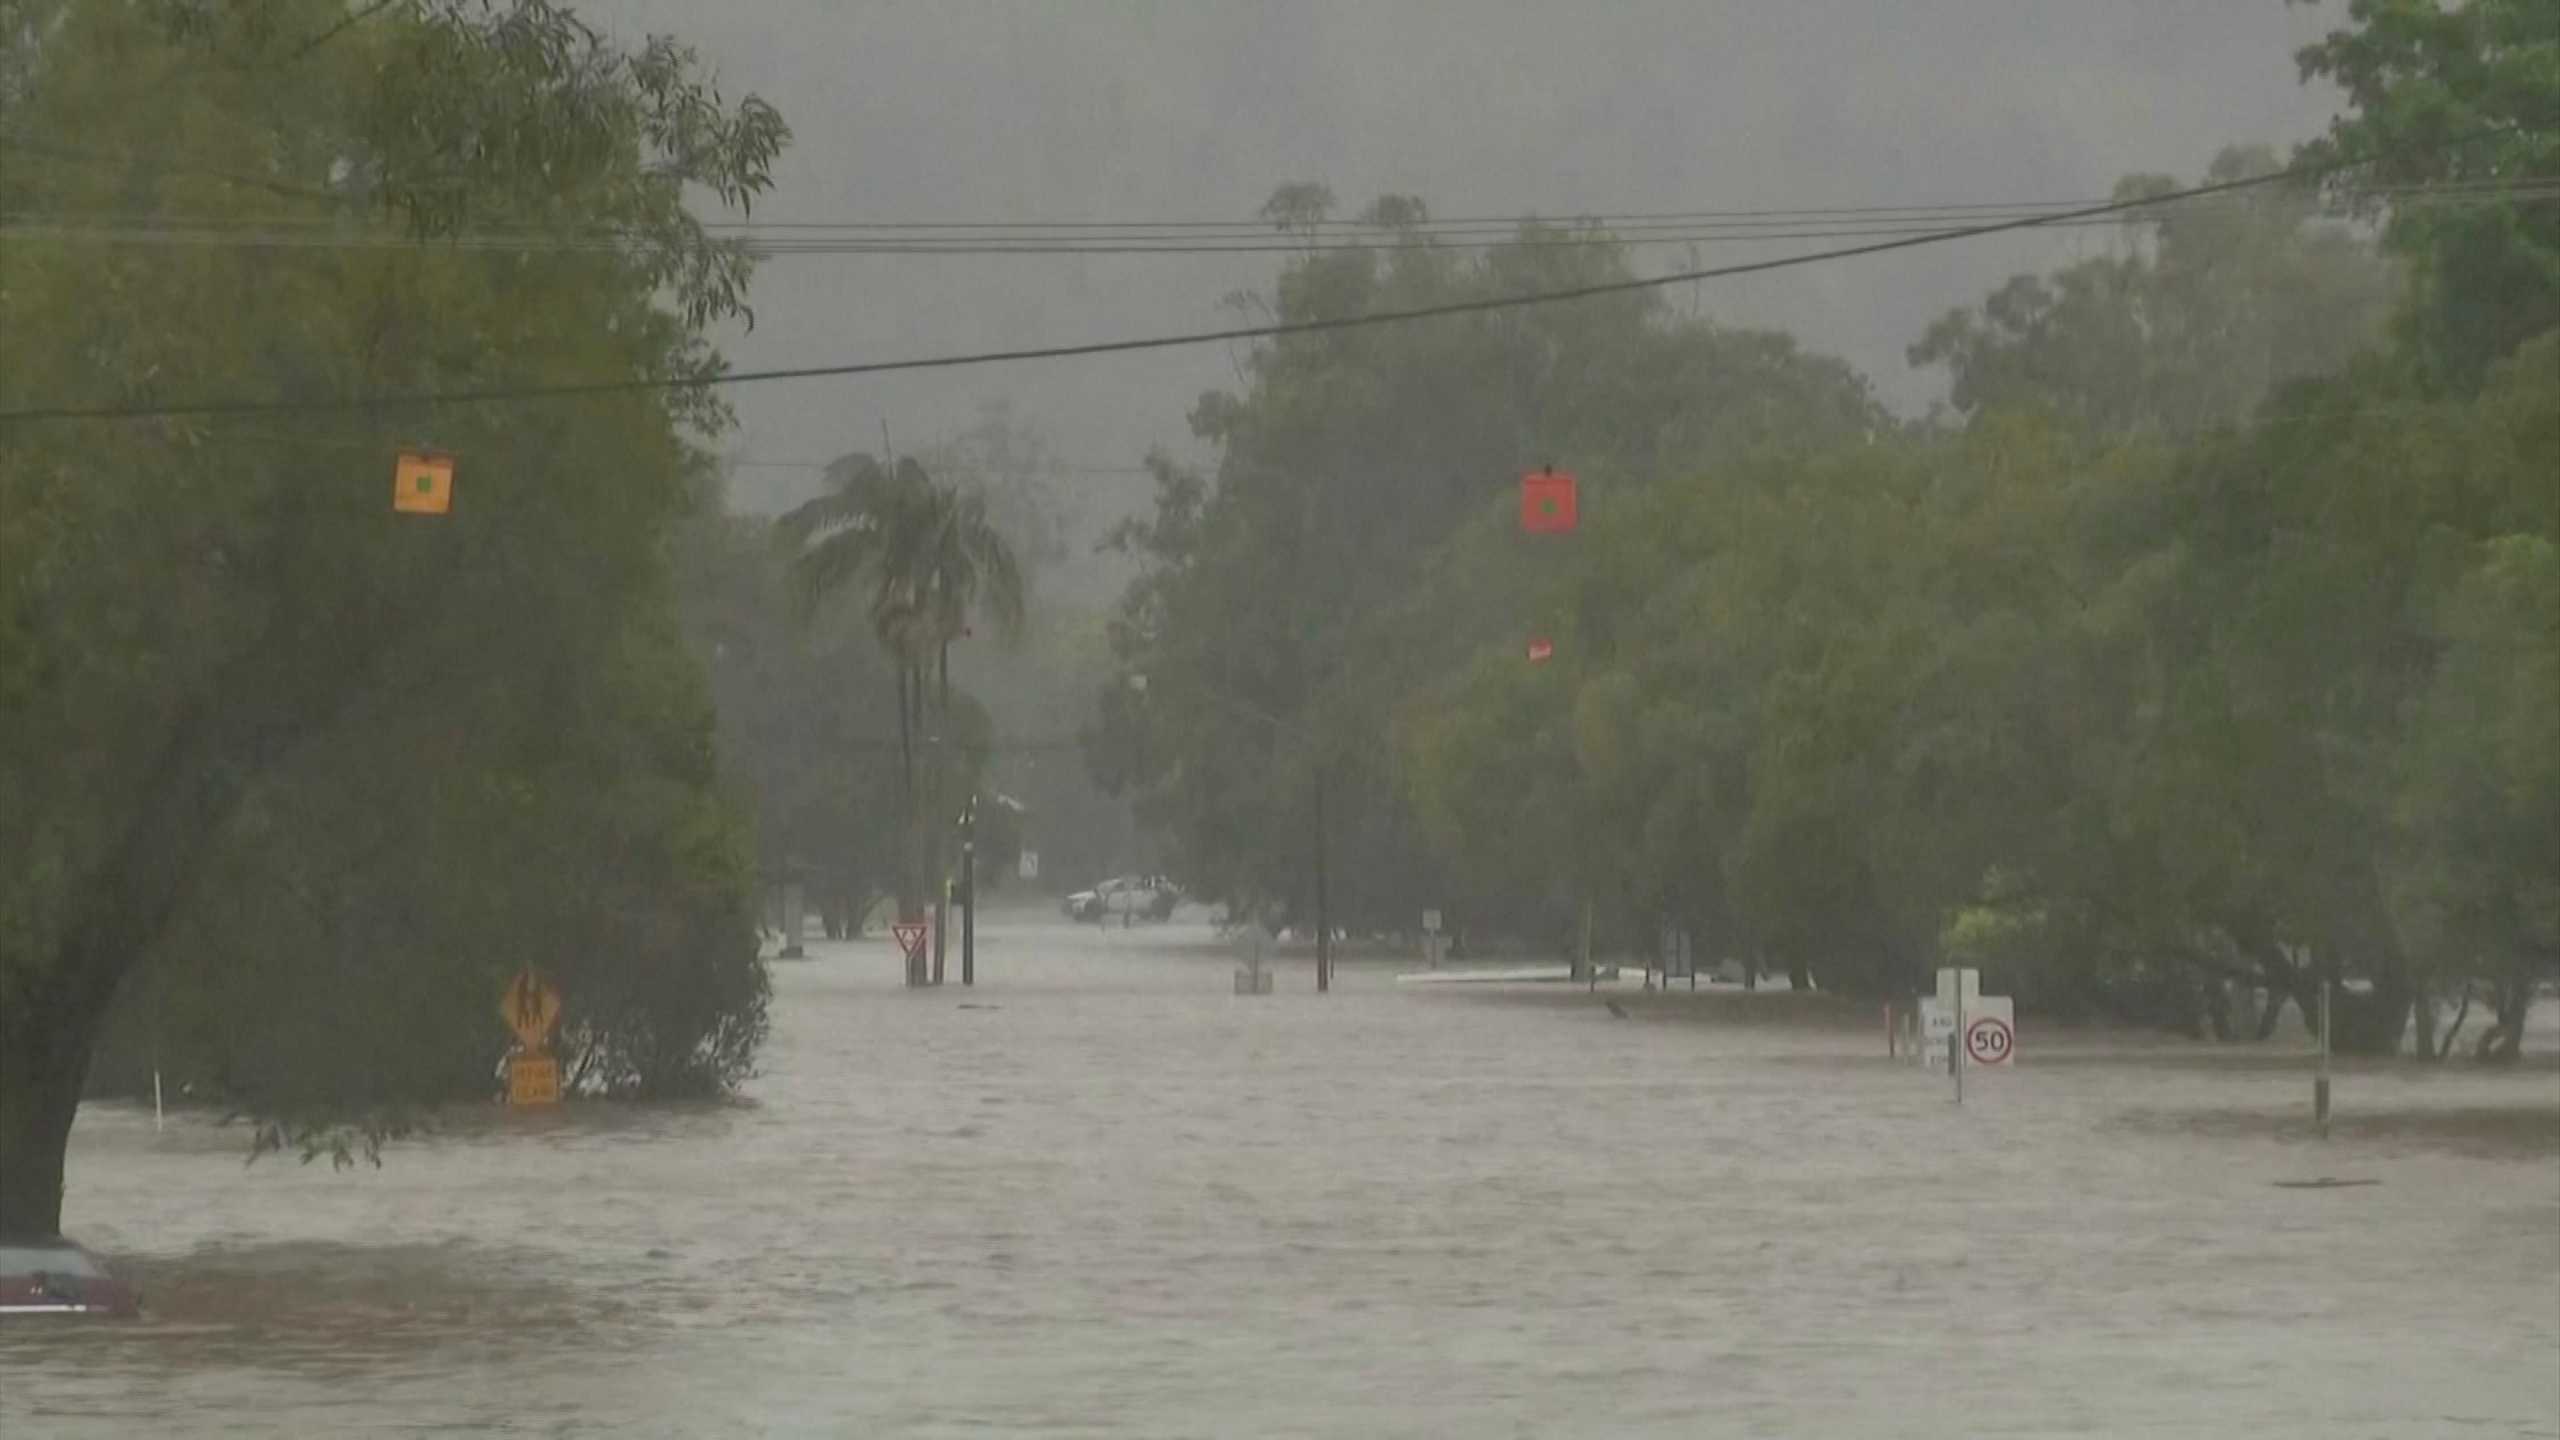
(910, 935)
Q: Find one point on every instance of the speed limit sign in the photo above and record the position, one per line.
(1988, 1040)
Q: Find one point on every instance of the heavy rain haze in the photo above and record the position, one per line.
(1300, 719)
(1006, 112)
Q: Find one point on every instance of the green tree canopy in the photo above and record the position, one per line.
(217, 634)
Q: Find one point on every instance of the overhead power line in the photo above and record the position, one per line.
(1259, 232)
(752, 462)
(1405, 315)
(799, 238)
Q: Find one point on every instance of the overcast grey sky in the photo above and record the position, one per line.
(1112, 109)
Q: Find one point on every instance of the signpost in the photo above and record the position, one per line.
(1029, 865)
(1433, 943)
(1960, 1027)
(531, 1006)
(910, 935)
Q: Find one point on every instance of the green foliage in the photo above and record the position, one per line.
(2418, 73)
(2213, 651)
(806, 717)
(2212, 305)
(259, 735)
(1273, 620)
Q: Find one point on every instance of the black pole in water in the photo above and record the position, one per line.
(1324, 912)
(2320, 1086)
(969, 894)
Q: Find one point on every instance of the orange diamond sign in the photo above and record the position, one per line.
(531, 1006)
(422, 483)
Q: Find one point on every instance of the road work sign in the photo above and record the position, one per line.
(531, 1006)
(533, 1080)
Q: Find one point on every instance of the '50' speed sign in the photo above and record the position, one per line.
(1989, 1041)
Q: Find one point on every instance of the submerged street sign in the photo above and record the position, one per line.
(531, 1006)
(910, 934)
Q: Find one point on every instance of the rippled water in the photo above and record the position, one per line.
(1100, 1195)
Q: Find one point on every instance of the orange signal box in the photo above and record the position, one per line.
(1547, 503)
(422, 483)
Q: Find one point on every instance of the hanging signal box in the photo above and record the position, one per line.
(1547, 503)
(422, 483)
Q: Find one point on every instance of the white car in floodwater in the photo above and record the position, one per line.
(1128, 896)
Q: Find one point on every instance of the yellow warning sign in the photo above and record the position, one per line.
(533, 1080)
(531, 1006)
(422, 483)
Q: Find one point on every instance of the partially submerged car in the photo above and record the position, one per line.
(52, 1276)
(1127, 896)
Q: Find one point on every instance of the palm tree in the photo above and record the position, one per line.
(930, 558)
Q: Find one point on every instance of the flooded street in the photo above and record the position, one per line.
(1100, 1195)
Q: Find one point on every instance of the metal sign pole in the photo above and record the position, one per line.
(2320, 1086)
(1955, 1041)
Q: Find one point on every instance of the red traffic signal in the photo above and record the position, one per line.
(1547, 502)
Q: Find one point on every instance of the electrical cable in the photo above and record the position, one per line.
(1406, 315)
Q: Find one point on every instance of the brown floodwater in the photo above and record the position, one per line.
(1101, 1195)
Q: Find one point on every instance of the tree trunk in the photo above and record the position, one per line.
(2453, 1031)
(908, 889)
(2503, 1042)
(940, 874)
(2370, 1022)
(45, 1038)
(123, 903)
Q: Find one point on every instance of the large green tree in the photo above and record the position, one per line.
(1345, 460)
(204, 616)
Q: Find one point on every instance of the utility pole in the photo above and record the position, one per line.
(969, 892)
(1324, 910)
